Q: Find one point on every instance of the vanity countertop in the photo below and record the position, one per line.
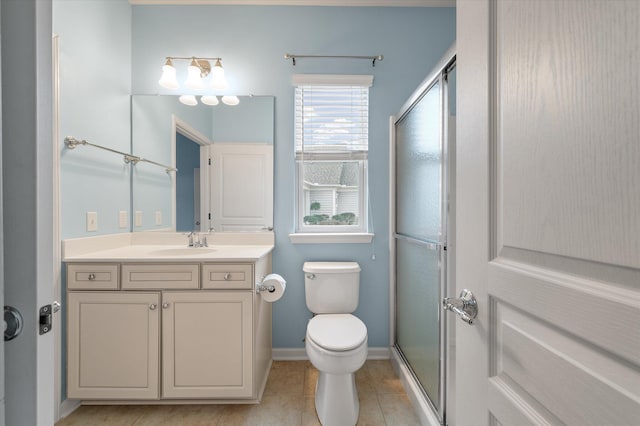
(166, 247)
(174, 253)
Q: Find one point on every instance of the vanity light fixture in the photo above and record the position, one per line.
(195, 72)
(230, 100)
(210, 100)
(198, 70)
(189, 100)
(168, 78)
(217, 80)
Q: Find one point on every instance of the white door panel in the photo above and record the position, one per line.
(241, 186)
(548, 229)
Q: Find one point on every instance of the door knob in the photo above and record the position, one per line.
(464, 306)
(12, 323)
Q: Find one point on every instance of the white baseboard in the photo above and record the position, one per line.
(288, 354)
(67, 407)
(298, 354)
(420, 404)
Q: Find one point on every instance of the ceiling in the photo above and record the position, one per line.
(394, 3)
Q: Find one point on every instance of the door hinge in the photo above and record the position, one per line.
(209, 216)
(209, 161)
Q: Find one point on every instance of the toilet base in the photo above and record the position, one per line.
(337, 399)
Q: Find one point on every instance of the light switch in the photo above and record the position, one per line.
(92, 221)
(158, 217)
(138, 218)
(122, 219)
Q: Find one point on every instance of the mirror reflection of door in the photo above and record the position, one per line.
(187, 184)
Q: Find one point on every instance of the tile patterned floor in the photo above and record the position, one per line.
(288, 400)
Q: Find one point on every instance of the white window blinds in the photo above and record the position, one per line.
(332, 114)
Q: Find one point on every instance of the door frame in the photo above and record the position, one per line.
(180, 126)
(473, 181)
(57, 249)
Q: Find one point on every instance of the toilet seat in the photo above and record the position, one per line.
(337, 332)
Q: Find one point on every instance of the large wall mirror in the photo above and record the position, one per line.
(232, 192)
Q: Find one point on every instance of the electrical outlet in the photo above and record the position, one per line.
(158, 217)
(138, 218)
(122, 219)
(92, 221)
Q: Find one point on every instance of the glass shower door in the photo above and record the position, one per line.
(419, 238)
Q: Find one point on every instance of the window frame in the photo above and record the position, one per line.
(331, 233)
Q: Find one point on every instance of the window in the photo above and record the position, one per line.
(331, 142)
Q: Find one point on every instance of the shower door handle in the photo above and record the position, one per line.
(464, 306)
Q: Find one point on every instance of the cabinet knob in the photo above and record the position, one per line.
(227, 276)
(92, 277)
(153, 306)
(165, 305)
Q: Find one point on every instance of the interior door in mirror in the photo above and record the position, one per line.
(241, 187)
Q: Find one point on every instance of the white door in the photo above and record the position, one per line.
(548, 212)
(27, 208)
(241, 186)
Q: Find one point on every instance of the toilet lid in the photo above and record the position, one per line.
(337, 332)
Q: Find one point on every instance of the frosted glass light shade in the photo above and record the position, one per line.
(230, 100)
(193, 77)
(210, 100)
(168, 79)
(189, 100)
(217, 77)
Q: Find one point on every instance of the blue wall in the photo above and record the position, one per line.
(95, 84)
(252, 40)
(187, 159)
(411, 40)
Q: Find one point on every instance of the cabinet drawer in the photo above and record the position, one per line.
(92, 276)
(227, 276)
(176, 276)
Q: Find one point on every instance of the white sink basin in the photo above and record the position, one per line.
(183, 251)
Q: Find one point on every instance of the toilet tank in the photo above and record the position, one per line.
(331, 287)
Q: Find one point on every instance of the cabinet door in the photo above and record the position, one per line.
(113, 345)
(207, 344)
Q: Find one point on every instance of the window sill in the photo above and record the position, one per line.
(331, 238)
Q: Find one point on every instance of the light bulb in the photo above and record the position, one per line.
(168, 79)
(217, 76)
(189, 100)
(230, 100)
(209, 100)
(193, 76)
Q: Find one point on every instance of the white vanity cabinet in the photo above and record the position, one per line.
(207, 344)
(169, 332)
(113, 345)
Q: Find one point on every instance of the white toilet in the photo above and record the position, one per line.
(336, 341)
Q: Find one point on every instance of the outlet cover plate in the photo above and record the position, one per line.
(122, 219)
(92, 221)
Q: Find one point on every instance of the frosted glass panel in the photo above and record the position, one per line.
(418, 309)
(419, 169)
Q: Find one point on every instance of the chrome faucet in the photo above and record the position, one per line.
(190, 237)
(196, 241)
